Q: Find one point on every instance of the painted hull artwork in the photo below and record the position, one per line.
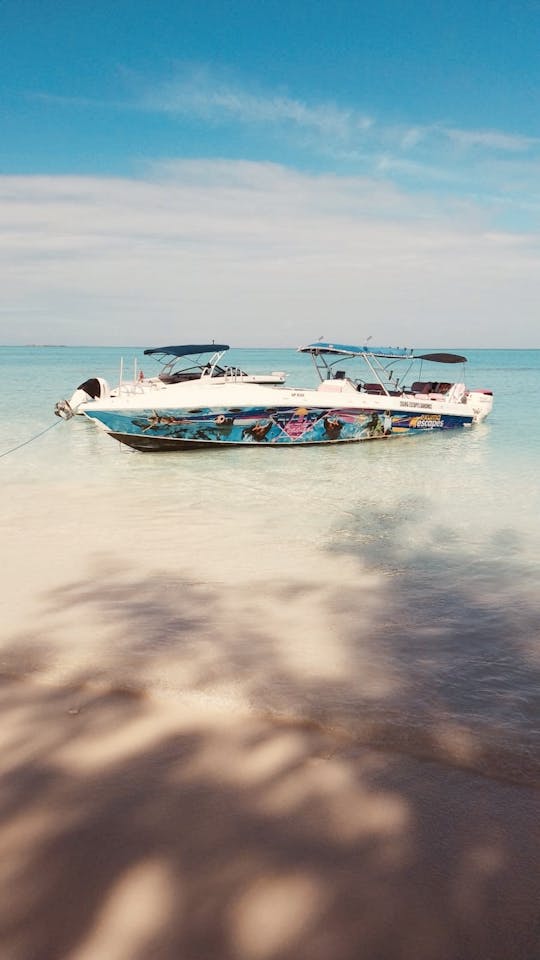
(153, 430)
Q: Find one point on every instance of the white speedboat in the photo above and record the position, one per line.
(179, 364)
(382, 402)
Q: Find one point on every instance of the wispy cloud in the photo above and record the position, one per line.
(328, 135)
(430, 229)
(444, 135)
(258, 253)
(491, 140)
(203, 95)
(349, 139)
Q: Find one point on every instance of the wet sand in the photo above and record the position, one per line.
(133, 828)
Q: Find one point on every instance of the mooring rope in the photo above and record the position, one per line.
(31, 440)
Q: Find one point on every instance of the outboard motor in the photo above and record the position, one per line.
(95, 388)
(63, 409)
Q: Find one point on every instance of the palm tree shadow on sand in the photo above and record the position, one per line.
(133, 828)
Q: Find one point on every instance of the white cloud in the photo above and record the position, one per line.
(440, 135)
(257, 254)
(474, 162)
(203, 95)
(491, 140)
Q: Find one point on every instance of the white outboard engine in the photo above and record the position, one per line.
(95, 388)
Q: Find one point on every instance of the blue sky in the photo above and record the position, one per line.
(322, 160)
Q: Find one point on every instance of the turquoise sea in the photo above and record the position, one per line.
(387, 590)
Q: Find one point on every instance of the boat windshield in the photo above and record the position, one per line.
(189, 361)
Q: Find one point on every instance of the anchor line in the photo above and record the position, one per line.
(31, 440)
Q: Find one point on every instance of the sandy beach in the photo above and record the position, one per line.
(134, 829)
(165, 795)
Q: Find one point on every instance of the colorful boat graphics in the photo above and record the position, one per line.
(260, 425)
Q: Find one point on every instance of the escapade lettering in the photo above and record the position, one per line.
(428, 420)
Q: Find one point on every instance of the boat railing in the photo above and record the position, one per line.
(130, 388)
(234, 373)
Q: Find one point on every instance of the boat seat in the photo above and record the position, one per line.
(373, 388)
(420, 386)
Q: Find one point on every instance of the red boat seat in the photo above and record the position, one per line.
(373, 388)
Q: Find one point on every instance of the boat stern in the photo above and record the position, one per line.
(480, 403)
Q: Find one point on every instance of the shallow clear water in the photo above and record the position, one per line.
(388, 590)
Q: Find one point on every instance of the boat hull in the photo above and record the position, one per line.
(167, 429)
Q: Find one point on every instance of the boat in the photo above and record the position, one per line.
(179, 364)
(383, 402)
